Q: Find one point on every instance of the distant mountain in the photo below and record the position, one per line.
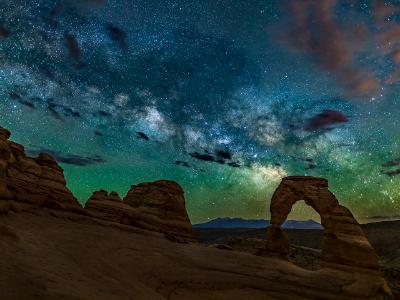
(309, 224)
(243, 223)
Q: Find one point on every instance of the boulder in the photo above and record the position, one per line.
(344, 245)
(38, 181)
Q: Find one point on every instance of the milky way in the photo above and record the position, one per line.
(225, 97)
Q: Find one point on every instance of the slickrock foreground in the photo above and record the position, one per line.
(51, 248)
(51, 254)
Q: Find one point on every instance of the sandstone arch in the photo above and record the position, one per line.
(344, 244)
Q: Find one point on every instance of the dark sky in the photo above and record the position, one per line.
(225, 97)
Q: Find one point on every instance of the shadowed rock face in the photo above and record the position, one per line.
(38, 181)
(109, 206)
(157, 206)
(344, 244)
(161, 204)
(103, 195)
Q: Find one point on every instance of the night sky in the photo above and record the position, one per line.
(225, 97)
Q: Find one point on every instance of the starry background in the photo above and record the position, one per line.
(225, 97)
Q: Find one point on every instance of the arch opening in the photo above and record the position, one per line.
(304, 230)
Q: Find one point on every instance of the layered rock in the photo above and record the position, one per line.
(157, 206)
(109, 206)
(38, 181)
(344, 245)
(161, 207)
(103, 195)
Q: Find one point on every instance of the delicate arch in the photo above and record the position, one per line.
(343, 244)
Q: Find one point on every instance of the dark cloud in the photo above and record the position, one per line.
(102, 113)
(14, 95)
(74, 51)
(204, 157)
(4, 32)
(315, 30)
(70, 159)
(117, 35)
(234, 164)
(183, 164)
(325, 120)
(59, 111)
(311, 166)
(222, 157)
(224, 154)
(389, 164)
(142, 136)
(392, 173)
(392, 163)
(28, 104)
(51, 108)
(17, 97)
(71, 112)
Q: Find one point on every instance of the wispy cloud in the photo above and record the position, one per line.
(70, 159)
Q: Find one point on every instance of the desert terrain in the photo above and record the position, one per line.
(306, 245)
(143, 246)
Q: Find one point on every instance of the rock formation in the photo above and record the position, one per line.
(75, 253)
(109, 206)
(103, 195)
(37, 181)
(157, 206)
(344, 245)
(161, 205)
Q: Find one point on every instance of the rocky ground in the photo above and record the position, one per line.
(306, 245)
(51, 254)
